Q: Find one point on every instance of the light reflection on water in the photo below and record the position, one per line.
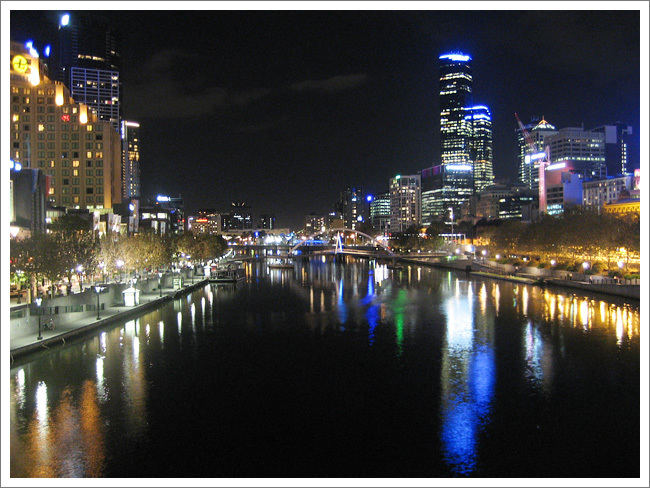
(61, 424)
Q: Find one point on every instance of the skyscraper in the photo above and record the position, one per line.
(585, 148)
(528, 159)
(130, 160)
(617, 144)
(456, 134)
(481, 153)
(404, 202)
(89, 64)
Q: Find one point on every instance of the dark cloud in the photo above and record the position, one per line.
(335, 83)
(162, 89)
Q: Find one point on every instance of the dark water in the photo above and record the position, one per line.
(341, 370)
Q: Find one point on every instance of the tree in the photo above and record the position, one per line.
(77, 244)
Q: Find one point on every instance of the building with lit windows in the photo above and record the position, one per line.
(315, 223)
(27, 200)
(617, 143)
(240, 216)
(563, 187)
(267, 222)
(405, 204)
(130, 134)
(528, 158)
(456, 131)
(89, 63)
(380, 213)
(585, 148)
(206, 221)
(50, 131)
(481, 145)
(353, 207)
(598, 192)
(164, 215)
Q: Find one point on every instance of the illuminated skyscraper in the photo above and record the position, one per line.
(456, 136)
(89, 64)
(130, 160)
(481, 146)
(528, 158)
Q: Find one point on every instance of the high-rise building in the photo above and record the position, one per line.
(481, 154)
(130, 134)
(405, 204)
(617, 146)
(206, 221)
(457, 138)
(584, 148)
(353, 207)
(27, 200)
(315, 223)
(51, 131)
(528, 158)
(89, 63)
(380, 213)
(240, 216)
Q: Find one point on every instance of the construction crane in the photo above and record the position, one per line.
(542, 164)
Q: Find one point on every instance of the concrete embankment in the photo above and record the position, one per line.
(620, 290)
(24, 338)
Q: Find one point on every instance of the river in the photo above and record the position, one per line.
(341, 369)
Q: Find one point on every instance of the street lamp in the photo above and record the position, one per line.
(80, 269)
(451, 214)
(553, 262)
(621, 264)
(38, 301)
(160, 282)
(585, 265)
(98, 290)
(102, 266)
(118, 264)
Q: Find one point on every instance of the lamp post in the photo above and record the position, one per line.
(102, 266)
(160, 282)
(98, 290)
(118, 264)
(80, 269)
(38, 301)
(451, 214)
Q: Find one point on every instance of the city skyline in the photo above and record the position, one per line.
(289, 123)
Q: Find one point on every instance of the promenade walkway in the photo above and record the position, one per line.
(69, 325)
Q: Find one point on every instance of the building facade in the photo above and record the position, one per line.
(89, 63)
(405, 204)
(596, 193)
(585, 148)
(267, 222)
(51, 131)
(380, 213)
(481, 154)
(28, 188)
(130, 135)
(529, 158)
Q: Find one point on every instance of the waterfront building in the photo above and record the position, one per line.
(528, 158)
(585, 148)
(617, 143)
(405, 205)
(315, 223)
(50, 131)
(481, 144)
(206, 221)
(89, 63)
(380, 213)
(166, 210)
(353, 207)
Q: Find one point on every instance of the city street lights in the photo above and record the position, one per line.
(160, 282)
(80, 269)
(38, 301)
(98, 290)
(118, 264)
(102, 266)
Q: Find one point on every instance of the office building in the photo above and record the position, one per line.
(584, 148)
(130, 135)
(563, 183)
(50, 131)
(617, 146)
(481, 145)
(315, 223)
(405, 204)
(529, 158)
(164, 215)
(89, 63)
(267, 222)
(380, 213)
(598, 192)
(206, 221)
(353, 207)
(240, 216)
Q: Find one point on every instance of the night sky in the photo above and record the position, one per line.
(283, 109)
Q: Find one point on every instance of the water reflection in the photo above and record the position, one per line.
(78, 423)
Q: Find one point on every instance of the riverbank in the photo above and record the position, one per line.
(70, 325)
(625, 291)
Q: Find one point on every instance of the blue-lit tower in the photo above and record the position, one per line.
(481, 153)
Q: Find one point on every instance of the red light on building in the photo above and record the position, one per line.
(65, 117)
